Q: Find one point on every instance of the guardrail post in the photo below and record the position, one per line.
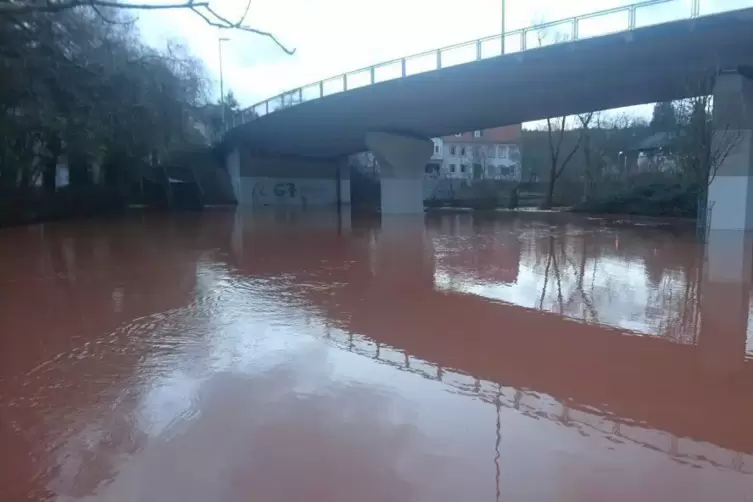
(502, 43)
(695, 9)
(345, 81)
(631, 18)
(266, 107)
(439, 59)
(575, 29)
(402, 63)
(300, 95)
(321, 88)
(478, 50)
(372, 73)
(523, 36)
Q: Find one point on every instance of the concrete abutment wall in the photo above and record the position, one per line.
(266, 180)
(261, 180)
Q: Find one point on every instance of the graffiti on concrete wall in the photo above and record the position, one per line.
(293, 192)
(284, 189)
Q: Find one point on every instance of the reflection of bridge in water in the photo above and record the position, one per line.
(585, 420)
(689, 399)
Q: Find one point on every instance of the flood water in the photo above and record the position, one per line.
(286, 357)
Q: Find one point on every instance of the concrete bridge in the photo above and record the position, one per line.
(303, 136)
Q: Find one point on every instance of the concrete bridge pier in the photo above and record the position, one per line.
(730, 195)
(291, 181)
(402, 160)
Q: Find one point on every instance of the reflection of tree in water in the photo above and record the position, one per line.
(675, 303)
(551, 264)
(575, 278)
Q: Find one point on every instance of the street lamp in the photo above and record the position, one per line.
(222, 82)
(502, 23)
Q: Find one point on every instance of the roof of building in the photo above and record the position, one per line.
(505, 134)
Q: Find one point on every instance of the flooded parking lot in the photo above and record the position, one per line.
(287, 356)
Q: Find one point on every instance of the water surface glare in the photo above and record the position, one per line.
(282, 356)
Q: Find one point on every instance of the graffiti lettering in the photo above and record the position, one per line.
(293, 192)
(259, 190)
(282, 189)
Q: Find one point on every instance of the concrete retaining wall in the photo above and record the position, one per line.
(278, 191)
(289, 181)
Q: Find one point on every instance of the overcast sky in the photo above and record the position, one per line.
(335, 36)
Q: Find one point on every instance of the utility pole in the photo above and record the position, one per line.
(222, 82)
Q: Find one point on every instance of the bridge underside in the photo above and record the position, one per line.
(656, 63)
(273, 180)
(298, 152)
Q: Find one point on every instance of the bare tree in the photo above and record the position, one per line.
(559, 159)
(705, 138)
(594, 142)
(707, 132)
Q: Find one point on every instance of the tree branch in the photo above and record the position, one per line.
(584, 123)
(224, 23)
(245, 13)
(214, 19)
(11, 9)
(109, 20)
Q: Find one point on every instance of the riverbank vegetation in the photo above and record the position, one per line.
(92, 118)
(660, 168)
(606, 163)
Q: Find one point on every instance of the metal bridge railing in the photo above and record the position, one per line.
(603, 22)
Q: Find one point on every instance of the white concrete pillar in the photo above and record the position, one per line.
(233, 165)
(730, 196)
(725, 300)
(402, 161)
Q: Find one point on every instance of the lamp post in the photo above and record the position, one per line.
(502, 24)
(222, 82)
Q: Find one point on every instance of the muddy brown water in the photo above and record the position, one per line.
(281, 356)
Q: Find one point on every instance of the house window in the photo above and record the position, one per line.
(458, 135)
(462, 168)
(492, 151)
(452, 168)
(477, 134)
(452, 150)
(502, 151)
(436, 148)
(514, 153)
(462, 150)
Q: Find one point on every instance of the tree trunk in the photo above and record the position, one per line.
(78, 169)
(549, 200)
